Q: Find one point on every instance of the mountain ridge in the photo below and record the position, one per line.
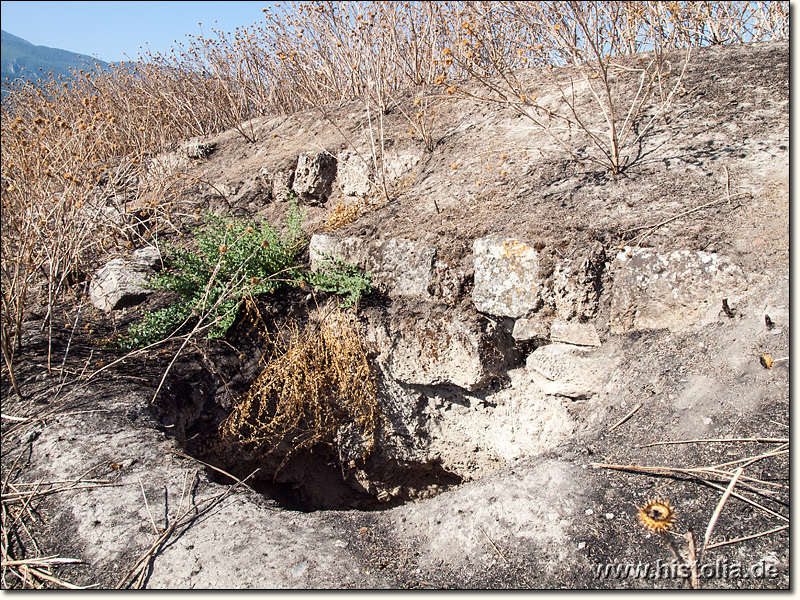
(22, 59)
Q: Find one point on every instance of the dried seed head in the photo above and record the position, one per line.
(657, 515)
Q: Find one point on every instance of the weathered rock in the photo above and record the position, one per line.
(148, 256)
(401, 166)
(355, 175)
(399, 268)
(506, 277)
(122, 282)
(673, 291)
(576, 283)
(431, 344)
(402, 267)
(399, 444)
(280, 184)
(447, 281)
(313, 176)
(252, 190)
(567, 370)
(531, 329)
(351, 250)
(579, 334)
(195, 149)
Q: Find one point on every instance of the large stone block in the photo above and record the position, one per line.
(506, 277)
(402, 267)
(399, 267)
(354, 174)
(313, 176)
(567, 370)
(280, 184)
(122, 282)
(351, 250)
(430, 344)
(673, 291)
(576, 282)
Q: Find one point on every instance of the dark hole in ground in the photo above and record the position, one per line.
(193, 404)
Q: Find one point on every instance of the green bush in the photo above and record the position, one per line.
(338, 277)
(235, 259)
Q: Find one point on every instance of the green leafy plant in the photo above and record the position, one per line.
(235, 259)
(338, 277)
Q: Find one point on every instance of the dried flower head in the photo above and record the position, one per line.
(657, 515)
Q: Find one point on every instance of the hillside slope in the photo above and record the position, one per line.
(541, 330)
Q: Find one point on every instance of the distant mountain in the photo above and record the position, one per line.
(20, 58)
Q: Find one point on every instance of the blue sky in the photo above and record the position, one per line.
(111, 30)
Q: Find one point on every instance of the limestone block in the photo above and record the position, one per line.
(506, 277)
(398, 267)
(673, 291)
(530, 329)
(430, 344)
(121, 282)
(576, 282)
(567, 370)
(579, 334)
(402, 267)
(280, 184)
(313, 176)
(355, 175)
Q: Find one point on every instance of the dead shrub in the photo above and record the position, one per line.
(318, 380)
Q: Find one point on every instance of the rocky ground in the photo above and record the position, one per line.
(503, 397)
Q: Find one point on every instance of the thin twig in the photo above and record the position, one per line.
(185, 518)
(683, 214)
(704, 441)
(713, 521)
(147, 506)
(496, 549)
(694, 582)
(218, 470)
(747, 537)
(626, 417)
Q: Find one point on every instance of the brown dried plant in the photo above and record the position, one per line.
(318, 380)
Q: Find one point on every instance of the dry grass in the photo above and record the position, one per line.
(318, 380)
(63, 142)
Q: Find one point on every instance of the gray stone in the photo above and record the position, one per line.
(313, 176)
(674, 291)
(252, 190)
(196, 150)
(567, 370)
(148, 256)
(402, 267)
(351, 250)
(430, 344)
(280, 184)
(398, 267)
(399, 167)
(576, 283)
(355, 175)
(579, 334)
(121, 283)
(506, 277)
(531, 329)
